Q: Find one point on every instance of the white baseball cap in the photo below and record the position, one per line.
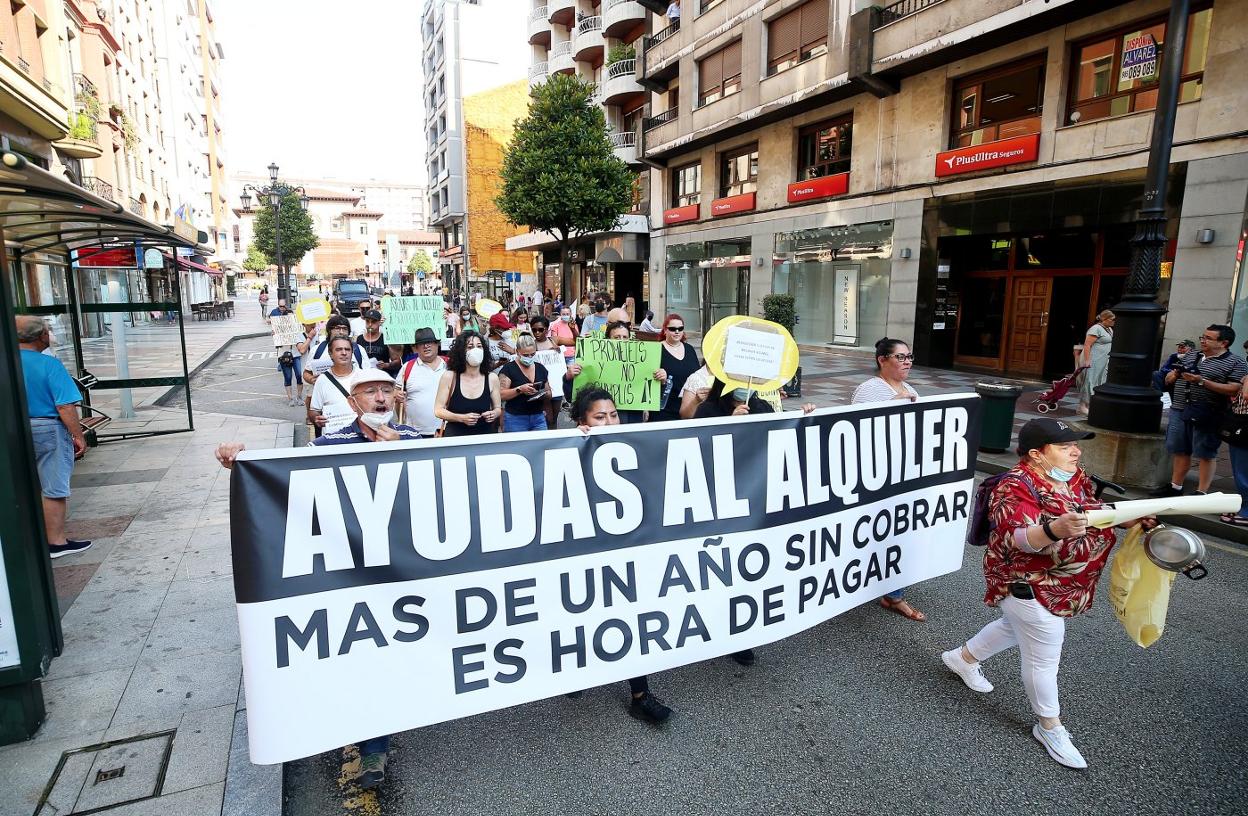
(369, 375)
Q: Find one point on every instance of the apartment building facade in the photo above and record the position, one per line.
(598, 41)
(469, 47)
(961, 174)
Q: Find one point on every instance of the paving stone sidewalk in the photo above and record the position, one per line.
(151, 638)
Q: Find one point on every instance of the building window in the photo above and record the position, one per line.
(823, 149)
(238, 245)
(738, 171)
(1117, 73)
(797, 35)
(363, 229)
(687, 185)
(719, 75)
(998, 104)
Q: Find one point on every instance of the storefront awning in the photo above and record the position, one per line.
(186, 263)
(42, 212)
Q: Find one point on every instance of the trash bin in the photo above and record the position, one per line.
(998, 424)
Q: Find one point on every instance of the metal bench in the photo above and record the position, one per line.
(92, 419)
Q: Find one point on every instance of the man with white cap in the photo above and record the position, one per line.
(372, 393)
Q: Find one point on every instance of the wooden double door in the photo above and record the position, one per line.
(1029, 327)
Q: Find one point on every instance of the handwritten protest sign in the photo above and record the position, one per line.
(625, 368)
(286, 330)
(404, 315)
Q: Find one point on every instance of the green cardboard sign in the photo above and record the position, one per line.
(404, 315)
(625, 368)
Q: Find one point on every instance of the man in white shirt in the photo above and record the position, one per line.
(318, 360)
(358, 326)
(537, 299)
(673, 14)
(419, 380)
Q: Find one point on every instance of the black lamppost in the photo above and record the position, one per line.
(1127, 402)
(275, 192)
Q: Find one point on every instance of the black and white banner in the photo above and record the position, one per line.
(385, 587)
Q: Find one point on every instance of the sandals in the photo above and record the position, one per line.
(1234, 519)
(902, 607)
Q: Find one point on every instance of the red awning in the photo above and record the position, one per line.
(185, 263)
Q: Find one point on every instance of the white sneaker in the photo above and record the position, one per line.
(1057, 743)
(969, 672)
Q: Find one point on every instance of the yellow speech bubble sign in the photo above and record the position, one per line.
(313, 311)
(488, 308)
(741, 350)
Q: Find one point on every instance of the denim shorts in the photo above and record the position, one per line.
(54, 456)
(517, 423)
(1185, 439)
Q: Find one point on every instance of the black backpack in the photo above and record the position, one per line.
(981, 520)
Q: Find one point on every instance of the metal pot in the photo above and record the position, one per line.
(1177, 550)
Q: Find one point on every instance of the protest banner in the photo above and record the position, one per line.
(625, 368)
(313, 311)
(286, 330)
(456, 576)
(404, 315)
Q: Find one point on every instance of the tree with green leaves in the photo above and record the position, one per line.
(298, 236)
(256, 260)
(559, 173)
(419, 262)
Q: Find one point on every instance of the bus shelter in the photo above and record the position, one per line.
(91, 269)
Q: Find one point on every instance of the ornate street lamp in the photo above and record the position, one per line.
(275, 192)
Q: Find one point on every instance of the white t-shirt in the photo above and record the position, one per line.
(537, 298)
(420, 386)
(332, 404)
(358, 326)
(557, 366)
(319, 363)
(877, 390)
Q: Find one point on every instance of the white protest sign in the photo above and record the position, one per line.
(286, 330)
(9, 655)
(753, 354)
(313, 311)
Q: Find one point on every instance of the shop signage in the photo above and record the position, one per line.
(452, 252)
(114, 257)
(153, 259)
(1139, 58)
(679, 215)
(184, 229)
(822, 187)
(1015, 150)
(732, 204)
(845, 320)
(8, 629)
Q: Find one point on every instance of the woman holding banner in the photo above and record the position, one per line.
(594, 408)
(469, 399)
(524, 385)
(679, 360)
(893, 361)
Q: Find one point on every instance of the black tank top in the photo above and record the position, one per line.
(457, 403)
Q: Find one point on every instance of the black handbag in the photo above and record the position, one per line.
(1206, 416)
(1234, 430)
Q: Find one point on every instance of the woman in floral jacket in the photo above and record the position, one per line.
(1041, 565)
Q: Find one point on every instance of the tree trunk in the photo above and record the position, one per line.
(565, 271)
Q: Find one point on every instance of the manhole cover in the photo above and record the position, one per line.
(99, 777)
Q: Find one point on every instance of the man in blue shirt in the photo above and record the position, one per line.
(372, 394)
(52, 398)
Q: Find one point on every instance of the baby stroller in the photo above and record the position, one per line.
(1047, 400)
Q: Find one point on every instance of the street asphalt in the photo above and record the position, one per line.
(854, 716)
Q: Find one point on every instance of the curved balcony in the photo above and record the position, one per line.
(560, 58)
(539, 26)
(587, 41)
(619, 17)
(562, 12)
(620, 82)
(537, 73)
(624, 145)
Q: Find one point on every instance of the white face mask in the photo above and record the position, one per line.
(376, 421)
(474, 356)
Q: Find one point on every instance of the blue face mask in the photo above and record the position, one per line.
(741, 394)
(1059, 475)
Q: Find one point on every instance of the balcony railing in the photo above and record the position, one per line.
(537, 70)
(901, 10)
(23, 64)
(625, 138)
(82, 85)
(538, 13)
(627, 67)
(136, 207)
(659, 36)
(563, 49)
(97, 186)
(588, 24)
(663, 118)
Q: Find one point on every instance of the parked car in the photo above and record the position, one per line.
(348, 294)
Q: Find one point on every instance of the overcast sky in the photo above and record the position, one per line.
(326, 89)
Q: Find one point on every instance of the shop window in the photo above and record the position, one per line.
(1117, 73)
(738, 171)
(1058, 250)
(687, 185)
(719, 75)
(797, 35)
(823, 149)
(982, 314)
(998, 104)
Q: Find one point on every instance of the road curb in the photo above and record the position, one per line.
(1200, 524)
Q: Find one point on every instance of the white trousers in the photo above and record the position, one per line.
(1038, 634)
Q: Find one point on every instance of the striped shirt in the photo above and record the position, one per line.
(877, 389)
(352, 434)
(1224, 368)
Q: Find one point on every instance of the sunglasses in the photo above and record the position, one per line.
(675, 328)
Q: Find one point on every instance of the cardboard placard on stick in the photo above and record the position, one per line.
(625, 368)
(313, 311)
(404, 315)
(286, 330)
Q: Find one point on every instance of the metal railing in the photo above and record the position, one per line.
(659, 36)
(651, 122)
(625, 138)
(537, 69)
(23, 64)
(610, 4)
(626, 67)
(588, 24)
(98, 186)
(136, 207)
(900, 10)
(84, 85)
(538, 13)
(563, 49)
